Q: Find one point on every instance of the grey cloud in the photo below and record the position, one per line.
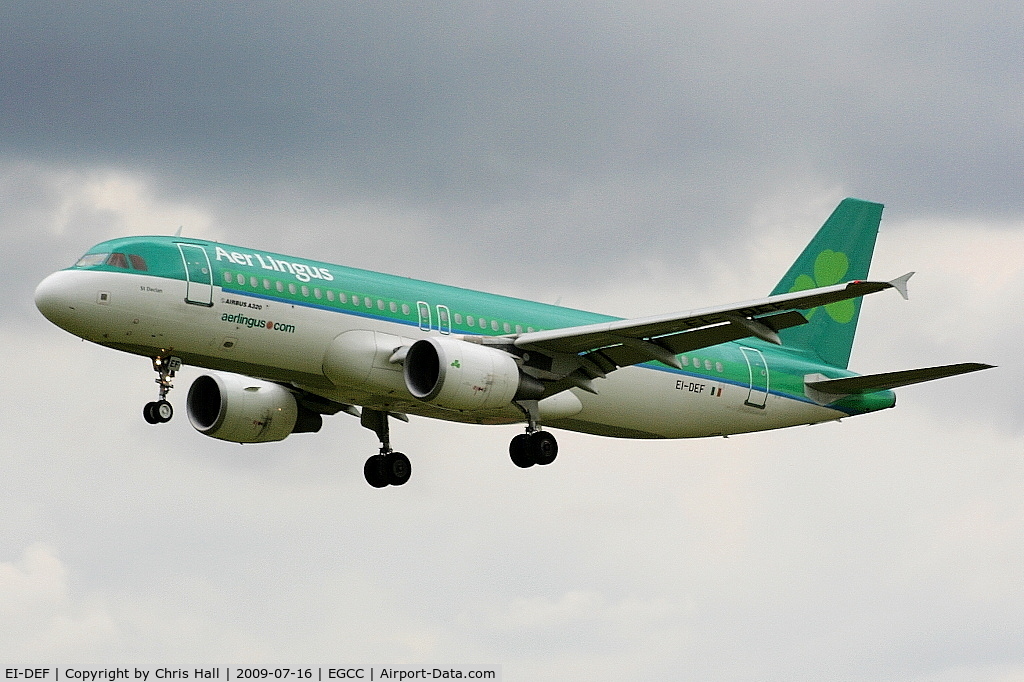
(480, 102)
(571, 134)
(647, 156)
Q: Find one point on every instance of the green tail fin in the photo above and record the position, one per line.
(840, 252)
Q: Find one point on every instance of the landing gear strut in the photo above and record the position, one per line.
(388, 467)
(535, 446)
(160, 412)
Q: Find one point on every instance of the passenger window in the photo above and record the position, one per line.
(330, 295)
(494, 325)
(343, 297)
(280, 287)
(508, 328)
(240, 279)
(305, 291)
(317, 293)
(355, 300)
(266, 284)
(470, 321)
(380, 304)
(254, 282)
(519, 329)
(138, 262)
(291, 289)
(394, 307)
(458, 318)
(227, 278)
(367, 301)
(405, 309)
(118, 260)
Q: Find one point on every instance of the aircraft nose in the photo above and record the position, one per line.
(54, 299)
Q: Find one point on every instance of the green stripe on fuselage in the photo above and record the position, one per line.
(787, 367)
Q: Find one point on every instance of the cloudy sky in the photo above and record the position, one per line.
(630, 158)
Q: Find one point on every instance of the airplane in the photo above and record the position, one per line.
(292, 339)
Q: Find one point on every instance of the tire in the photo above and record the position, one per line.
(519, 451)
(163, 411)
(149, 413)
(374, 471)
(543, 447)
(397, 467)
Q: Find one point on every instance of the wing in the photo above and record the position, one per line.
(824, 391)
(575, 355)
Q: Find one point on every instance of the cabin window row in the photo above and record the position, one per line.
(316, 292)
(698, 364)
(488, 323)
(369, 302)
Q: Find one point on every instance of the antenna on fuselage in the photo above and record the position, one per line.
(178, 233)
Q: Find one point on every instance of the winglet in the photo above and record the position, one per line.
(900, 285)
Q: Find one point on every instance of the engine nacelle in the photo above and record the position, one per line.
(361, 359)
(243, 410)
(459, 375)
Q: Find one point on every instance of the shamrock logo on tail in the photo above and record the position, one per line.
(829, 268)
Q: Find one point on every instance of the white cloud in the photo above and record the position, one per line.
(104, 203)
(41, 619)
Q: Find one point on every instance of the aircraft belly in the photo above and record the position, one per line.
(644, 403)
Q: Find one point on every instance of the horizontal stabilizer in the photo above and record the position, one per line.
(825, 390)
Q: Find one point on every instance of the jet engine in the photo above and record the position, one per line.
(242, 410)
(459, 375)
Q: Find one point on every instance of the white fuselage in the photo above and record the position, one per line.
(288, 342)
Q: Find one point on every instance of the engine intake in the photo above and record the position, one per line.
(242, 410)
(459, 375)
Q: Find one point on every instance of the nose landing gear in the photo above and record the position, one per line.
(160, 411)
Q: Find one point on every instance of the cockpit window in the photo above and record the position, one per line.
(91, 259)
(118, 260)
(127, 261)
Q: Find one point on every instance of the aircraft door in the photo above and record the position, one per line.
(423, 308)
(758, 368)
(198, 275)
(444, 319)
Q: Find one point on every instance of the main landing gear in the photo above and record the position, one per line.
(535, 446)
(388, 467)
(160, 411)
